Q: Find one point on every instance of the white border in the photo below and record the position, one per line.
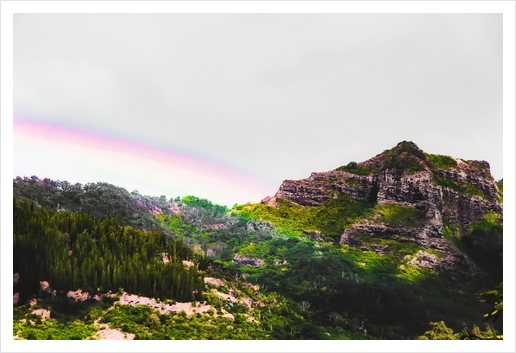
(505, 7)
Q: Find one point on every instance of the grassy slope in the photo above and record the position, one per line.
(343, 285)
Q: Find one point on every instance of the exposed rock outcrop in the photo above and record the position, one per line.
(248, 261)
(451, 259)
(439, 186)
(413, 187)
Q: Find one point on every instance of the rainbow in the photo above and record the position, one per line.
(75, 154)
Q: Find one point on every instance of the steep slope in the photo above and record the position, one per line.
(376, 249)
(440, 192)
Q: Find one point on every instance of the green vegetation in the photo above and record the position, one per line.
(439, 330)
(396, 215)
(443, 162)
(69, 320)
(51, 329)
(397, 248)
(404, 163)
(354, 168)
(463, 188)
(308, 289)
(291, 219)
(452, 232)
(203, 203)
(146, 324)
(483, 242)
(404, 158)
(99, 200)
(73, 251)
(490, 222)
(495, 298)
(259, 250)
(499, 184)
(351, 182)
(447, 183)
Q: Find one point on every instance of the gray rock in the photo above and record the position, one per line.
(417, 189)
(248, 261)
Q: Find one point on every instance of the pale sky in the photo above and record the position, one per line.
(269, 96)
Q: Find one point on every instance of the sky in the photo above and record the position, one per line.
(227, 106)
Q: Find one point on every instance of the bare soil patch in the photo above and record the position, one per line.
(112, 334)
(45, 314)
(214, 281)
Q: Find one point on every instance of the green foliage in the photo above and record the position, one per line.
(99, 200)
(351, 182)
(476, 334)
(174, 223)
(54, 330)
(396, 215)
(259, 250)
(337, 213)
(463, 188)
(452, 232)
(397, 248)
(145, 323)
(447, 183)
(291, 219)
(349, 289)
(203, 203)
(494, 297)
(354, 168)
(483, 242)
(490, 222)
(443, 162)
(499, 184)
(30, 326)
(98, 255)
(439, 331)
(469, 189)
(403, 163)
(382, 285)
(404, 158)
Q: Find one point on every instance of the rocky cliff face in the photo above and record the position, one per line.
(443, 188)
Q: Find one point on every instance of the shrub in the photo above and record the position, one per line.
(499, 184)
(394, 214)
(403, 163)
(354, 168)
(438, 331)
(463, 188)
(443, 162)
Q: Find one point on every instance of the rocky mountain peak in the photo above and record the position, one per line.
(404, 154)
(442, 188)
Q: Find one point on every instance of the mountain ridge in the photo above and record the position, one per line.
(447, 190)
(376, 249)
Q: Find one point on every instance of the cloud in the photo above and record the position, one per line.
(278, 95)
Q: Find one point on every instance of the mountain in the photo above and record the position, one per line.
(370, 250)
(443, 195)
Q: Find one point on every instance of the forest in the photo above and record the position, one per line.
(75, 251)
(101, 239)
